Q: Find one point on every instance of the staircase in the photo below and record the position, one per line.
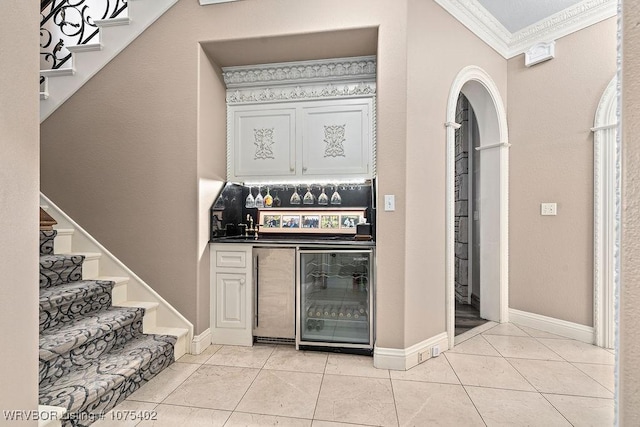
(80, 37)
(97, 346)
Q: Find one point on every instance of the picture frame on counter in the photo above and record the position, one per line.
(303, 221)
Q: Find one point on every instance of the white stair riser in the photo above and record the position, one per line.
(62, 242)
(150, 320)
(90, 269)
(119, 293)
(179, 349)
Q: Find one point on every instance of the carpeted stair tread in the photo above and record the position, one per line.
(63, 303)
(58, 269)
(50, 298)
(92, 355)
(110, 379)
(105, 323)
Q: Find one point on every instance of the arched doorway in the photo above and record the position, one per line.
(606, 214)
(483, 95)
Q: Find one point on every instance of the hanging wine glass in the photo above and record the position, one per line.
(308, 197)
(276, 200)
(268, 199)
(250, 202)
(335, 197)
(323, 199)
(259, 199)
(295, 197)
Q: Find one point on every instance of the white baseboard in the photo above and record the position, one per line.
(553, 326)
(401, 359)
(50, 416)
(201, 342)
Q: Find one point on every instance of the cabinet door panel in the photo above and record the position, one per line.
(275, 292)
(336, 139)
(231, 301)
(263, 143)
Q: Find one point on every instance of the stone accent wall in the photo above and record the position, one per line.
(462, 202)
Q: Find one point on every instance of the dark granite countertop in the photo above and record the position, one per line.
(296, 240)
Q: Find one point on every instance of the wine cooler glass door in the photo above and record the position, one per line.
(335, 298)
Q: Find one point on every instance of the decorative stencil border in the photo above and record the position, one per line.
(300, 93)
(361, 68)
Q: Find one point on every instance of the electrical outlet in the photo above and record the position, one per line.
(548, 208)
(435, 351)
(423, 355)
(389, 202)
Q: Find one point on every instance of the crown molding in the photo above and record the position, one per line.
(483, 24)
(299, 93)
(354, 69)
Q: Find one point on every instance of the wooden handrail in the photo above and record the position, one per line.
(46, 221)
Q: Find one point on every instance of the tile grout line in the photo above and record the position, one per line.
(560, 361)
(522, 375)
(605, 387)
(395, 403)
(557, 410)
(552, 350)
(162, 402)
(465, 390)
(273, 349)
(538, 392)
(324, 371)
(171, 392)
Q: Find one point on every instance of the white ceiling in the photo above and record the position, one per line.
(518, 14)
(512, 27)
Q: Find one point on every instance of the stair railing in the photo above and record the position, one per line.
(69, 23)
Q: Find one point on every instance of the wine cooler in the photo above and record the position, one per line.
(335, 298)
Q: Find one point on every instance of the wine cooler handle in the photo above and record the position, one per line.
(257, 292)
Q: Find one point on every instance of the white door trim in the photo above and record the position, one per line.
(477, 75)
(606, 215)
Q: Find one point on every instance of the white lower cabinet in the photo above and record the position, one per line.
(231, 294)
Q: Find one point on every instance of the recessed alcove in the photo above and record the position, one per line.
(293, 47)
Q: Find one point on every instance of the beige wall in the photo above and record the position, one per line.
(143, 150)
(121, 155)
(438, 48)
(211, 166)
(19, 201)
(629, 333)
(551, 108)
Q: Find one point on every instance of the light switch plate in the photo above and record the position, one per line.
(389, 202)
(548, 208)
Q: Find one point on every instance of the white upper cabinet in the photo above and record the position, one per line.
(336, 138)
(264, 143)
(308, 140)
(303, 121)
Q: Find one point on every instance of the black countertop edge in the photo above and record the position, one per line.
(294, 241)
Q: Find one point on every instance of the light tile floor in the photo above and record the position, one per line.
(504, 376)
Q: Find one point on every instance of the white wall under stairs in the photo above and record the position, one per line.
(129, 290)
(115, 35)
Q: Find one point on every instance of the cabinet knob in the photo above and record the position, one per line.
(304, 169)
(292, 169)
(242, 281)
